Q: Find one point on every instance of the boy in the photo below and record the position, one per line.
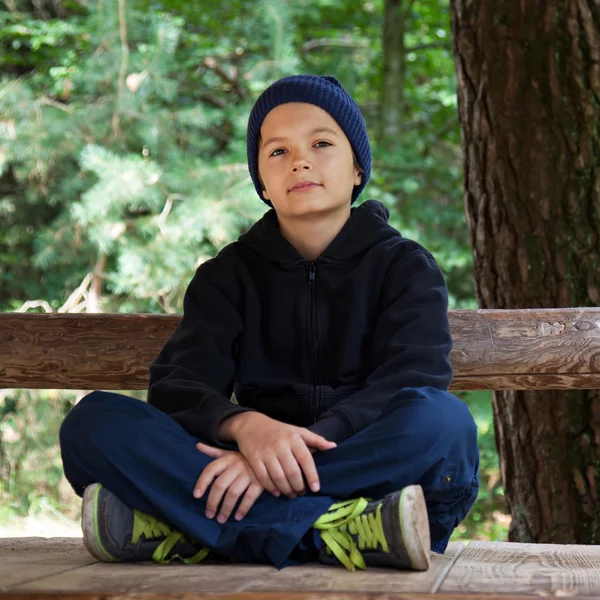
(331, 328)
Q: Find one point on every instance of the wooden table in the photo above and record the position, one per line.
(53, 568)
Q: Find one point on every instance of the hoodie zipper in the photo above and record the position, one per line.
(313, 326)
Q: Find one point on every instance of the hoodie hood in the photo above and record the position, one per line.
(367, 225)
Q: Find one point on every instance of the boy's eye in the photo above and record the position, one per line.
(277, 149)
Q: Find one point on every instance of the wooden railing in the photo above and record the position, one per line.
(493, 349)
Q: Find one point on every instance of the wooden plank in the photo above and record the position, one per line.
(91, 351)
(265, 596)
(538, 569)
(325, 578)
(26, 559)
(493, 349)
(219, 578)
(527, 382)
(526, 342)
(64, 565)
(150, 577)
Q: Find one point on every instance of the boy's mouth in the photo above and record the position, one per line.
(302, 186)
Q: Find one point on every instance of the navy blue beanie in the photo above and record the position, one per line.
(323, 91)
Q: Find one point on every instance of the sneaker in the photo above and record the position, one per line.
(113, 532)
(391, 532)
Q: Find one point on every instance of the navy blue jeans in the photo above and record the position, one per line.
(425, 436)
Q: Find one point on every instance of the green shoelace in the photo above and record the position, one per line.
(152, 528)
(344, 520)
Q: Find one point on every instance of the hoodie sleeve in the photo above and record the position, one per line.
(411, 347)
(192, 377)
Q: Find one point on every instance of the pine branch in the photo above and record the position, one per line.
(34, 304)
(341, 41)
(212, 64)
(352, 43)
(80, 292)
(445, 45)
(50, 102)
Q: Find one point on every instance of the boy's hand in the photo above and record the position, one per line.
(233, 477)
(279, 453)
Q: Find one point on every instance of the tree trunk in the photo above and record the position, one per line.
(394, 65)
(528, 78)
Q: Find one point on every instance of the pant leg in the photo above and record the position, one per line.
(139, 453)
(425, 436)
(151, 464)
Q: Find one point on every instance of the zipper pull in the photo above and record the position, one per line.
(311, 276)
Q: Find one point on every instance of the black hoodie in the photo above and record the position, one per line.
(322, 344)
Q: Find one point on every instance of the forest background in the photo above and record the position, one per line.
(123, 167)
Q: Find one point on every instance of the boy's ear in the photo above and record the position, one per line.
(266, 195)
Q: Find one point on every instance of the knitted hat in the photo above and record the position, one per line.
(323, 91)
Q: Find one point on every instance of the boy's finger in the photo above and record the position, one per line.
(307, 464)
(250, 497)
(278, 476)
(208, 474)
(210, 450)
(218, 489)
(260, 470)
(203, 482)
(234, 492)
(316, 441)
(292, 468)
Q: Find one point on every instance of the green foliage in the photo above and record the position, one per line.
(27, 42)
(147, 139)
(487, 520)
(122, 155)
(30, 465)
(31, 473)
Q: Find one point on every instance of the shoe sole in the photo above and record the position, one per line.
(415, 527)
(89, 524)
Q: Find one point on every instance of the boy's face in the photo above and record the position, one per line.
(323, 157)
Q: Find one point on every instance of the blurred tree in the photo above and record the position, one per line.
(123, 130)
(123, 163)
(528, 99)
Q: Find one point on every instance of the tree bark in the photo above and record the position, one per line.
(528, 81)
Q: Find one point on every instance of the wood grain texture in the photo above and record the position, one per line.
(493, 349)
(50, 565)
(60, 568)
(149, 577)
(264, 596)
(58, 351)
(536, 569)
(325, 578)
(65, 566)
(25, 559)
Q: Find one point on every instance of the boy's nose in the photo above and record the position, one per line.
(301, 163)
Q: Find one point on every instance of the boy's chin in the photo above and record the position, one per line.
(311, 205)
